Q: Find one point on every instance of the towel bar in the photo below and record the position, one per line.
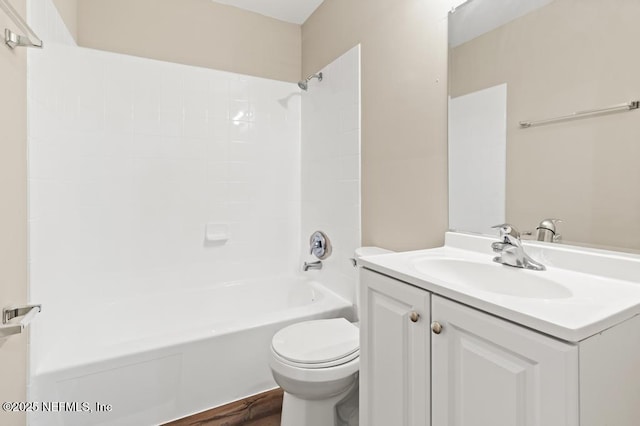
(9, 313)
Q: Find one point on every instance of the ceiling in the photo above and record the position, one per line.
(294, 11)
(476, 17)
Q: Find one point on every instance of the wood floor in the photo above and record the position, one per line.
(258, 410)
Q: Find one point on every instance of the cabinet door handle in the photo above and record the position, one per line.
(414, 316)
(436, 327)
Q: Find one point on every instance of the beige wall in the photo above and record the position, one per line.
(404, 111)
(68, 10)
(13, 214)
(193, 32)
(569, 56)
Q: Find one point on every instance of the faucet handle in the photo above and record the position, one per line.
(319, 245)
(507, 230)
(549, 224)
(315, 245)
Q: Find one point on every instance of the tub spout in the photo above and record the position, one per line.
(312, 265)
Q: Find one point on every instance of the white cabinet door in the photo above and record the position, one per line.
(490, 372)
(394, 352)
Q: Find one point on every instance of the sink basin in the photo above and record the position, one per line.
(493, 277)
(583, 291)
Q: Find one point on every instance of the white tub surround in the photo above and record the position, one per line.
(157, 192)
(477, 159)
(135, 165)
(331, 169)
(43, 15)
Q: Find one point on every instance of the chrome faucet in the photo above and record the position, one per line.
(312, 265)
(511, 250)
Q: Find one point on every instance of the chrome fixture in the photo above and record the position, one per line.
(320, 245)
(304, 84)
(312, 265)
(511, 250)
(627, 106)
(13, 40)
(28, 312)
(547, 231)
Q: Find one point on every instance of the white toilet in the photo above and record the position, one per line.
(316, 363)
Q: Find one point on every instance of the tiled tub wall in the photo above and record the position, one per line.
(43, 17)
(331, 169)
(129, 158)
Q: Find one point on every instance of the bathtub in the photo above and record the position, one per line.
(157, 358)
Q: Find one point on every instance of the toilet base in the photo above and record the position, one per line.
(338, 410)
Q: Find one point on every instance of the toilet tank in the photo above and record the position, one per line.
(360, 253)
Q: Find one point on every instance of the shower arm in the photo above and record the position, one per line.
(303, 83)
(317, 75)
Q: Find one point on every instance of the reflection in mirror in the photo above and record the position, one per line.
(513, 61)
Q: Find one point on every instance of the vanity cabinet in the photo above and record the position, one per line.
(488, 371)
(468, 368)
(395, 352)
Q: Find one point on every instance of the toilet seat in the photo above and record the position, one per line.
(317, 366)
(317, 344)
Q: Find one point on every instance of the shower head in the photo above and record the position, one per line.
(304, 84)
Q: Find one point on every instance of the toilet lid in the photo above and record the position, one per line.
(319, 341)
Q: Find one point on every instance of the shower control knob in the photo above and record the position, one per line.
(436, 327)
(319, 245)
(414, 316)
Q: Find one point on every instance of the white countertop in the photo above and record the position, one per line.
(599, 288)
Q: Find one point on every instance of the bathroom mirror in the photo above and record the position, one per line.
(514, 61)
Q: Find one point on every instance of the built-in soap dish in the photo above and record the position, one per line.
(216, 234)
